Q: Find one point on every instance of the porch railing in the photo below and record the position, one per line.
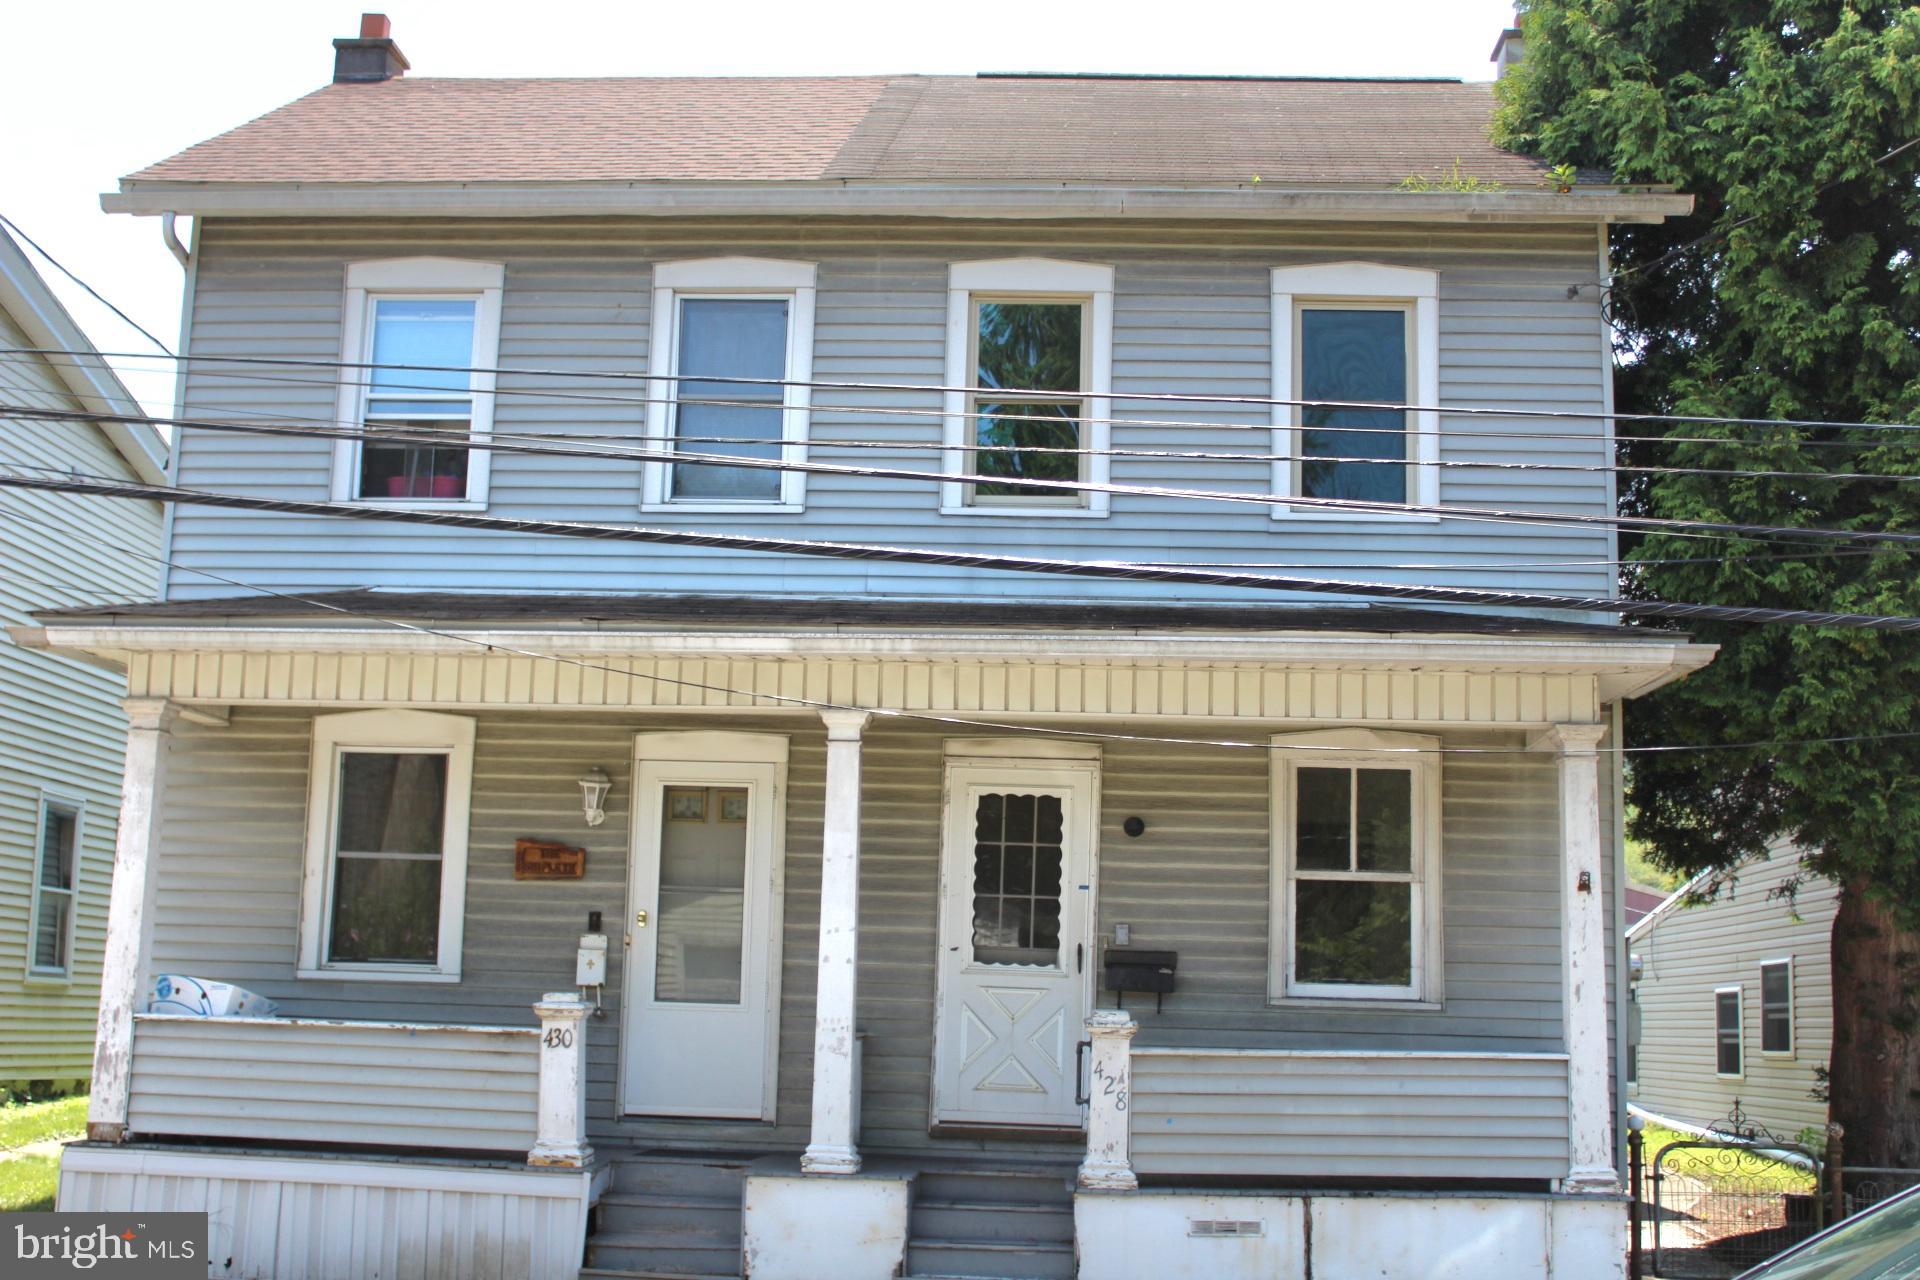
(365, 1084)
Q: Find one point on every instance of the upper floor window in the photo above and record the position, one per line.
(1029, 363)
(1355, 866)
(732, 347)
(420, 339)
(1776, 1006)
(56, 885)
(384, 889)
(1361, 332)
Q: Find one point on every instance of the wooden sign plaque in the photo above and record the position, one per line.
(547, 860)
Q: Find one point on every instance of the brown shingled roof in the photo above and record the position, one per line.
(874, 128)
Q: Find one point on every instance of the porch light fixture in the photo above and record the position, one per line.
(593, 794)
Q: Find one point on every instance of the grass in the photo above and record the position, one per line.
(1755, 1174)
(28, 1178)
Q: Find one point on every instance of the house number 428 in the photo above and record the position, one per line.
(559, 1038)
(1111, 1086)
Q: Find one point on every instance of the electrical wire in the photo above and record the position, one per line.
(1123, 570)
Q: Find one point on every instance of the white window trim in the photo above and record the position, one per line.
(374, 731)
(1359, 282)
(1740, 1030)
(78, 808)
(483, 282)
(1793, 1030)
(1364, 748)
(736, 278)
(1045, 278)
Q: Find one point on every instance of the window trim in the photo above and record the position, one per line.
(414, 278)
(1738, 992)
(734, 278)
(1792, 1049)
(1357, 748)
(77, 809)
(1361, 285)
(1028, 280)
(424, 731)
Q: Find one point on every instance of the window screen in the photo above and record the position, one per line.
(1726, 1029)
(1353, 354)
(389, 839)
(730, 338)
(407, 396)
(1353, 876)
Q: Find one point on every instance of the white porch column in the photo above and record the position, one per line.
(1583, 931)
(831, 1149)
(124, 975)
(1109, 1162)
(560, 1136)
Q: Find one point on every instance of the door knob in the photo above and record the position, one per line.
(640, 919)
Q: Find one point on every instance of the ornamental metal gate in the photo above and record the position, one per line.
(1708, 1208)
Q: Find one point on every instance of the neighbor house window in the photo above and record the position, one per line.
(732, 350)
(1726, 1031)
(56, 882)
(1356, 332)
(1356, 856)
(420, 341)
(1776, 1006)
(1029, 358)
(385, 882)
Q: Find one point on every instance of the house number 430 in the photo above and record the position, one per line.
(1111, 1086)
(559, 1038)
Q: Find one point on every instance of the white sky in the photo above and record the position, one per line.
(94, 89)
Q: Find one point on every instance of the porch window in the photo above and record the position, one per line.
(1028, 359)
(421, 337)
(1355, 331)
(385, 882)
(1726, 1032)
(1355, 894)
(732, 347)
(55, 888)
(1018, 853)
(1776, 1007)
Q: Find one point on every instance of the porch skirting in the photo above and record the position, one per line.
(286, 1216)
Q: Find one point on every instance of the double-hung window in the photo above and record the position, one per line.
(1352, 342)
(384, 888)
(1029, 362)
(1776, 1007)
(419, 343)
(731, 354)
(56, 884)
(1356, 895)
(1727, 1056)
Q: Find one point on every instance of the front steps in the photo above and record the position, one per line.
(669, 1216)
(992, 1223)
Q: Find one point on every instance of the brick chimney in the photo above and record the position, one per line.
(371, 56)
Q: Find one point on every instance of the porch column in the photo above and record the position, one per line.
(560, 1133)
(1583, 931)
(834, 1080)
(124, 968)
(1109, 1162)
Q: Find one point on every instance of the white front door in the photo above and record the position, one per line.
(702, 917)
(1016, 920)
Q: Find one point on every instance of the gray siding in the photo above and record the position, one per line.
(454, 1088)
(1688, 952)
(62, 732)
(1349, 1116)
(1191, 315)
(1196, 882)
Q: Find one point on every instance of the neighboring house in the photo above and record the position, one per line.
(62, 731)
(870, 844)
(1641, 902)
(1735, 998)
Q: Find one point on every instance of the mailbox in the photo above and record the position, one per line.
(1128, 969)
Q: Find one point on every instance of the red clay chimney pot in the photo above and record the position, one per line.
(375, 26)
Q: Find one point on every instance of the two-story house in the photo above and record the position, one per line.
(642, 452)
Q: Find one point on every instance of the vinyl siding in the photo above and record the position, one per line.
(1191, 314)
(62, 732)
(1688, 952)
(1196, 882)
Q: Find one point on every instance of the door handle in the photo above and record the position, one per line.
(640, 919)
(1079, 957)
(1080, 1096)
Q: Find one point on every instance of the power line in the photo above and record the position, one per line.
(14, 227)
(1121, 570)
(494, 645)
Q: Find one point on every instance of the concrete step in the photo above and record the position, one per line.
(991, 1220)
(990, 1259)
(627, 1211)
(669, 1252)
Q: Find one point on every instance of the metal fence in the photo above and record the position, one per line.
(1865, 1186)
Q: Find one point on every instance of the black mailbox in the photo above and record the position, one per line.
(1130, 970)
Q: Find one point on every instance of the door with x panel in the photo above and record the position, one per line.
(1015, 938)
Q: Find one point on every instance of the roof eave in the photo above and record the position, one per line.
(932, 199)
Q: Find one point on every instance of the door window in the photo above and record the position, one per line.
(700, 955)
(1017, 858)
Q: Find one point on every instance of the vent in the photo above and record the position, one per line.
(1222, 1228)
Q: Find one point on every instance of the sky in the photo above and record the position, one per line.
(95, 89)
